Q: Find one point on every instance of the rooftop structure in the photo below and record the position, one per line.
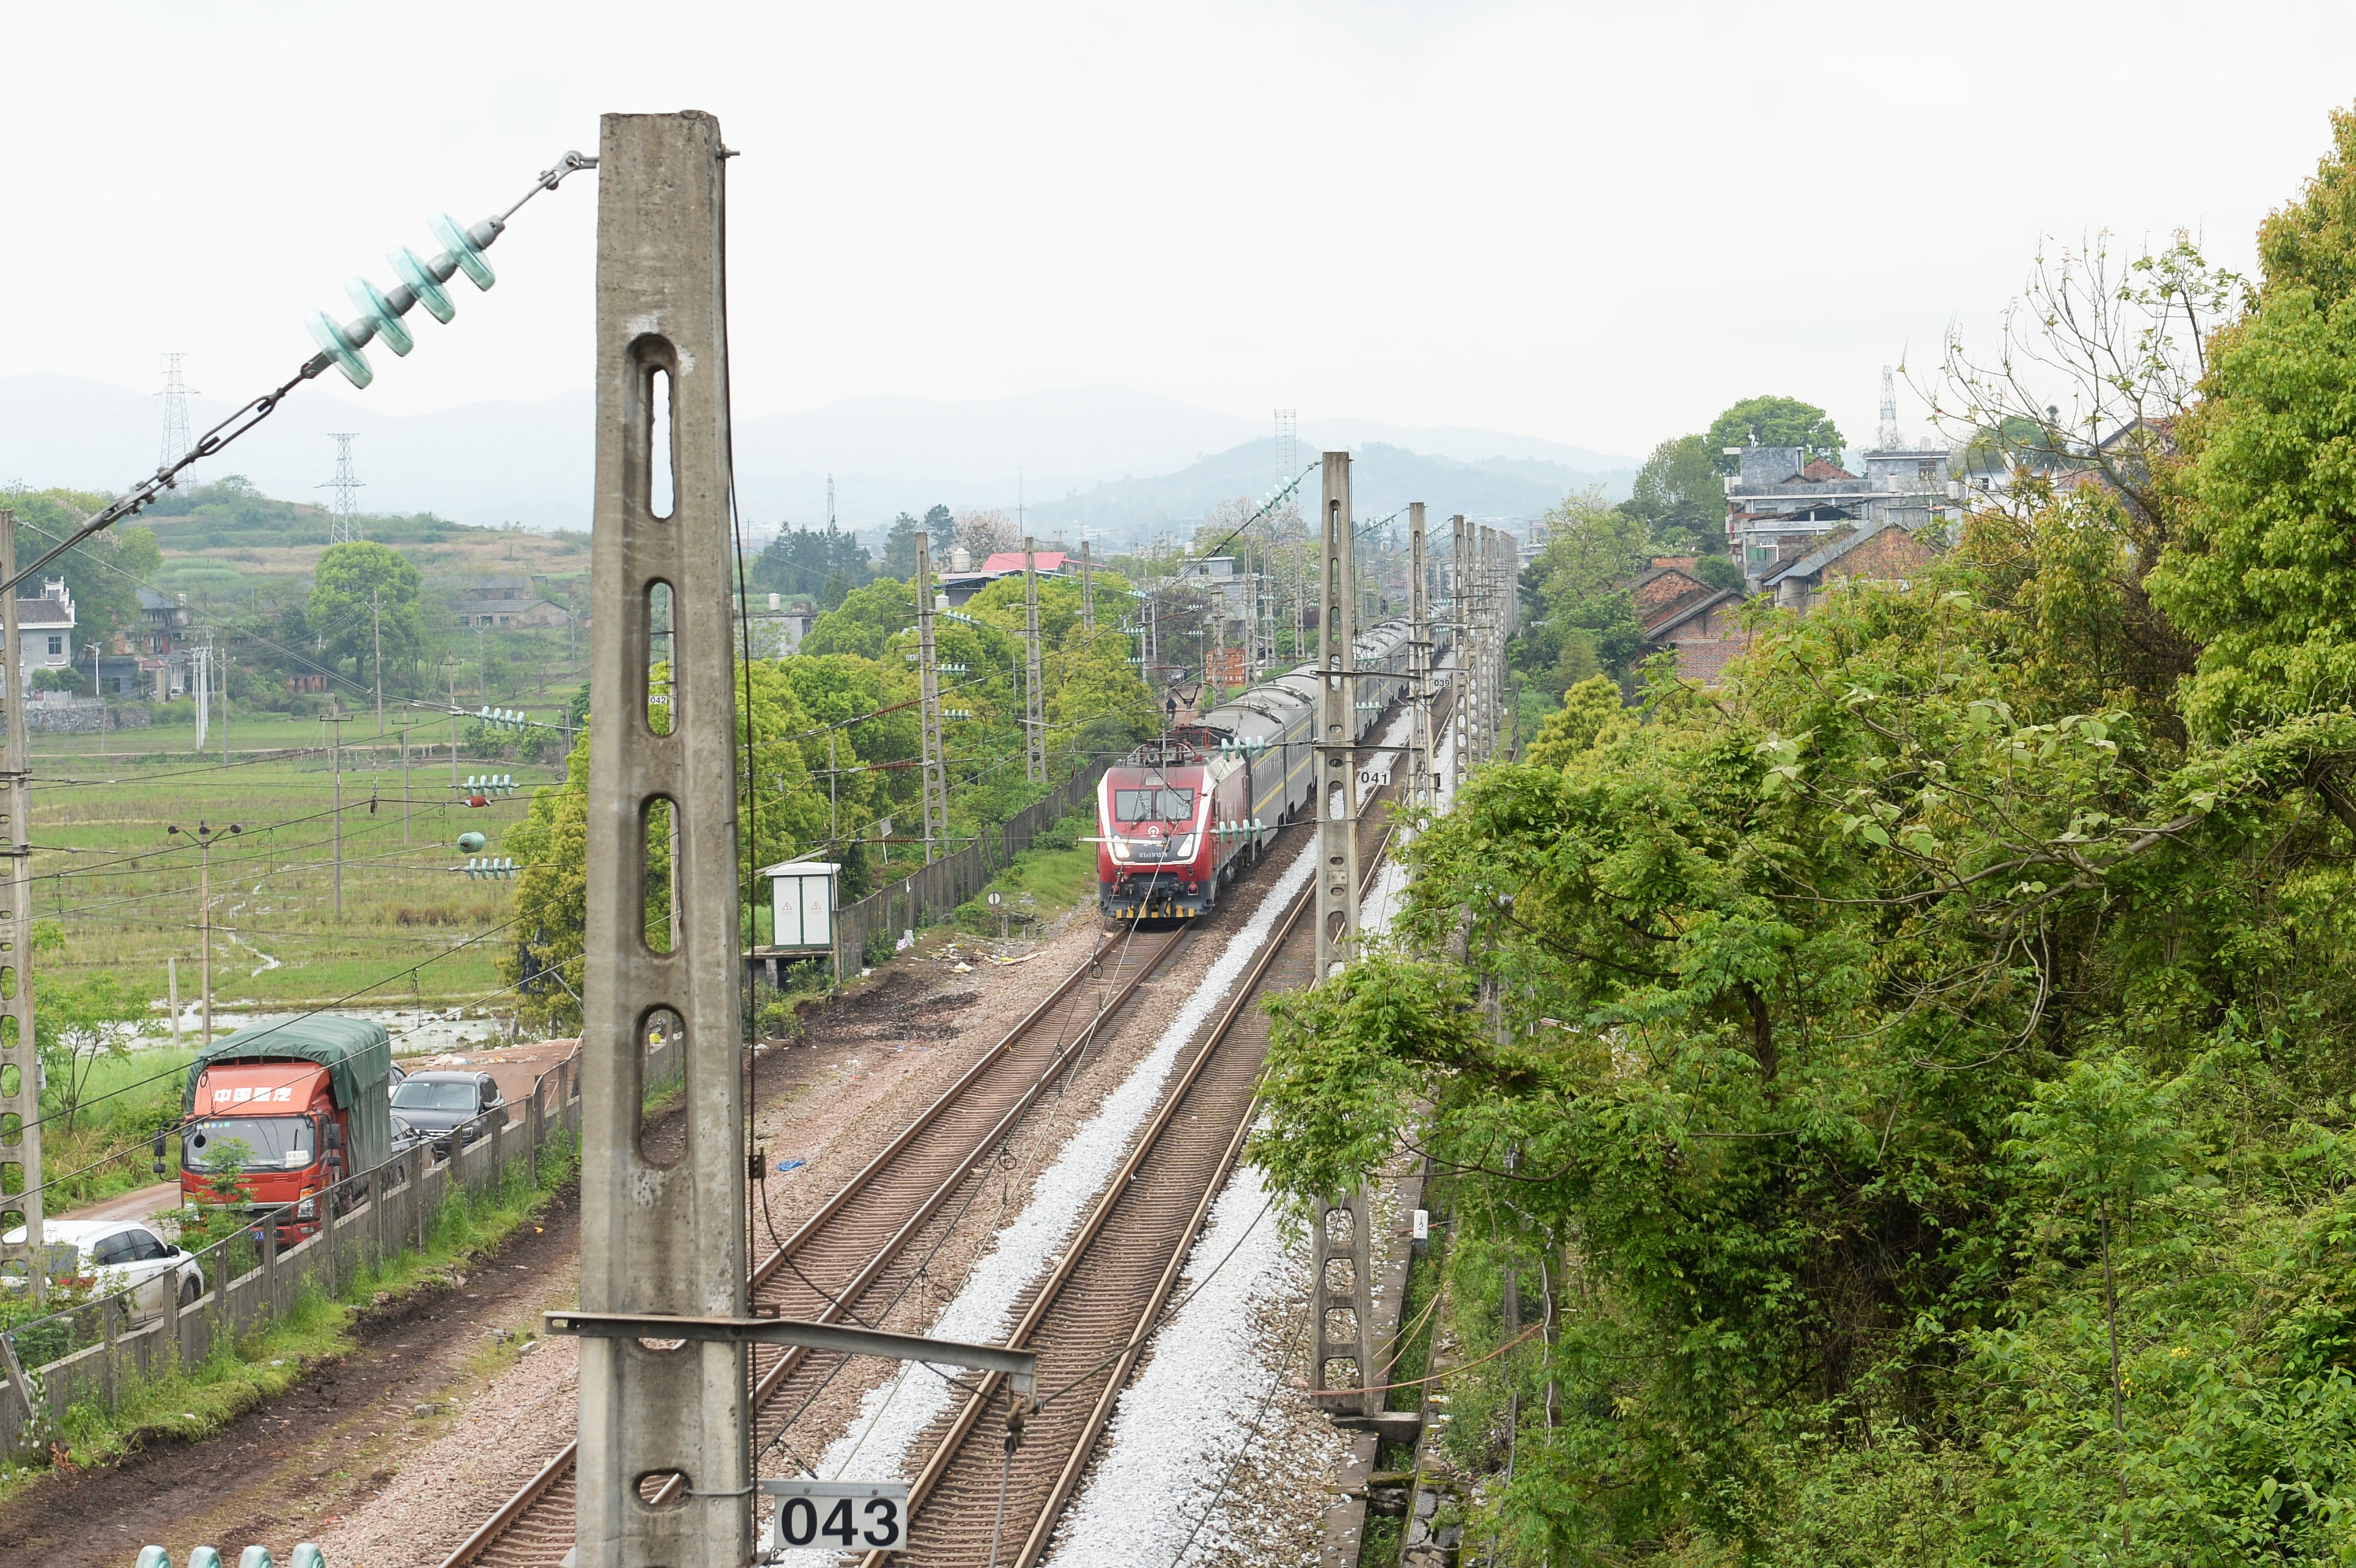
(1782, 504)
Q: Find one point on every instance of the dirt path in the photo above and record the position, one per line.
(283, 1470)
(345, 1456)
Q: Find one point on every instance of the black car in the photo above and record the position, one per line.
(453, 1109)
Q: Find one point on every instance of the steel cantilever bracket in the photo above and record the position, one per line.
(1021, 1367)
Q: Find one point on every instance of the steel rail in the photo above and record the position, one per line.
(961, 1426)
(504, 1519)
(1076, 1463)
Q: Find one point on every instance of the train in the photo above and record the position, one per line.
(1182, 815)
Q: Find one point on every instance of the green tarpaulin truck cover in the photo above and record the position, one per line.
(357, 1054)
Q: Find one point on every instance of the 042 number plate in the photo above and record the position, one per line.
(870, 1516)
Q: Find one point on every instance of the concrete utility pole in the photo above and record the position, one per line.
(658, 1239)
(17, 1053)
(1337, 727)
(1251, 626)
(204, 835)
(1034, 699)
(1087, 587)
(1460, 628)
(336, 787)
(1419, 665)
(934, 765)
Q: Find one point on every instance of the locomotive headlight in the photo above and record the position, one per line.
(1182, 849)
(1120, 847)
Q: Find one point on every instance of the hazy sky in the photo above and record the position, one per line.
(1593, 223)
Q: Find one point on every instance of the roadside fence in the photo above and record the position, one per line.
(927, 896)
(95, 1351)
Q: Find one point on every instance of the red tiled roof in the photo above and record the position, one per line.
(1011, 561)
(1821, 471)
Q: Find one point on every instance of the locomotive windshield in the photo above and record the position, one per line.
(1162, 805)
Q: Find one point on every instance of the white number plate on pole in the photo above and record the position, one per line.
(841, 1515)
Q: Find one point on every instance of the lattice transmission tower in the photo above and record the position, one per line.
(176, 394)
(1889, 436)
(344, 528)
(1288, 445)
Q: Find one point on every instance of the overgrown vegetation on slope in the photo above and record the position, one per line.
(1919, 1075)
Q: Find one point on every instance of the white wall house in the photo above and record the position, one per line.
(45, 628)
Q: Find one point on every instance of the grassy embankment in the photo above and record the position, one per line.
(1055, 872)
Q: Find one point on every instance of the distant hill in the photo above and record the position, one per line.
(1383, 479)
(530, 462)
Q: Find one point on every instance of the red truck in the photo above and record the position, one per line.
(293, 1107)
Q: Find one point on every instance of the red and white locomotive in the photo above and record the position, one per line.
(1181, 815)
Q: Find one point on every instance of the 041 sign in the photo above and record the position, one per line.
(839, 1516)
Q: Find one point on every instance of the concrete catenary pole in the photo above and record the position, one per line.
(1034, 699)
(1337, 726)
(932, 762)
(1419, 665)
(662, 1239)
(1087, 587)
(1459, 630)
(20, 1154)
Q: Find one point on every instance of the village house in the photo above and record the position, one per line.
(1782, 504)
(45, 628)
(508, 600)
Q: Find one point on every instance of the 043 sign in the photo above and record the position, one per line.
(840, 1516)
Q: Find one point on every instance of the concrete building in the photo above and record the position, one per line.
(508, 600)
(45, 628)
(163, 622)
(1885, 553)
(1782, 504)
(963, 580)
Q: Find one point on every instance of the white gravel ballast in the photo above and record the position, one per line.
(893, 1416)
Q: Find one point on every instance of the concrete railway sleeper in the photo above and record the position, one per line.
(866, 1235)
(1090, 1318)
(869, 1223)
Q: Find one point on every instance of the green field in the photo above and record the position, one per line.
(124, 892)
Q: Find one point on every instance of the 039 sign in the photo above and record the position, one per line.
(840, 1516)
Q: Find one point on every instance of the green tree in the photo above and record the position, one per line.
(1581, 619)
(864, 619)
(1588, 709)
(1678, 494)
(104, 573)
(828, 563)
(900, 544)
(2261, 569)
(1768, 420)
(79, 1020)
(357, 585)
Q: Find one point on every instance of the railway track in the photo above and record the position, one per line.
(862, 1255)
(973, 1501)
(869, 1240)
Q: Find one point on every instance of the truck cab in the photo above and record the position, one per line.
(292, 1111)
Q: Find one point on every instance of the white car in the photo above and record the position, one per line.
(119, 1256)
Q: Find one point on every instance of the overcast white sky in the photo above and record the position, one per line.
(1593, 223)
